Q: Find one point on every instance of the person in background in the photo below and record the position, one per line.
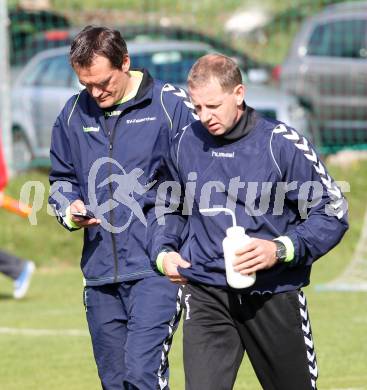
(19, 270)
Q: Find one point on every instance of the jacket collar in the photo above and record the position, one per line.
(145, 92)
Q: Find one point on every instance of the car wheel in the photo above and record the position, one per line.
(22, 154)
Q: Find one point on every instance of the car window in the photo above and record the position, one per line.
(342, 38)
(56, 72)
(172, 66)
(35, 72)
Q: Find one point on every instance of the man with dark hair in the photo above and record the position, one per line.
(270, 177)
(107, 144)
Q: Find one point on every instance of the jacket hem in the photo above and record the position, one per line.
(120, 278)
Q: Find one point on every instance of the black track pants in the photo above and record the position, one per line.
(274, 330)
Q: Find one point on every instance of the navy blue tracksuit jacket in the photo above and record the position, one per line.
(129, 154)
(274, 182)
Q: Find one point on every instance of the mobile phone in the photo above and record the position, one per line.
(87, 215)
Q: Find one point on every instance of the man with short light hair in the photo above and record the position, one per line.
(229, 150)
(224, 69)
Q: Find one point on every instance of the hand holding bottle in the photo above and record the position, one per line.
(255, 255)
(234, 241)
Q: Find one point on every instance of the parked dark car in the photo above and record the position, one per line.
(326, 68)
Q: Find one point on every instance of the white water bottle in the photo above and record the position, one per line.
(234, 240)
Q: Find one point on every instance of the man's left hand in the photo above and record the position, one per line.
(255, 255)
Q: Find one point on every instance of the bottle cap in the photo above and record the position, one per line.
(236, 231)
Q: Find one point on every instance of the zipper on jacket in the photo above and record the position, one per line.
(113, 238)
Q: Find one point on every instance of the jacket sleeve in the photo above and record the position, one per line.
(167, 232)
(167, 227)
(63, 179)
(178, 108)
(321, 206)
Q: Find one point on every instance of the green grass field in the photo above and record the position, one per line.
(44, 343)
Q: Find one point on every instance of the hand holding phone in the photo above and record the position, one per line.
(83, 217)
(87, 215)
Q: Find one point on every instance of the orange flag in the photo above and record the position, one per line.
(10, 204)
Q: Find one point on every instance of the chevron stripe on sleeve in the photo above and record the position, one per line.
(338, 204)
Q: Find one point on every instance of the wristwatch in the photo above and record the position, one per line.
(281, 252)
